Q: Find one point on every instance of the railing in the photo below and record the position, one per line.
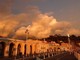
(40, 56)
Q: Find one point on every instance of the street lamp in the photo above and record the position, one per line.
(27, 34)
(69, 43)
(68, 39)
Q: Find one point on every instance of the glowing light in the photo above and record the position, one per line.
(68, 35)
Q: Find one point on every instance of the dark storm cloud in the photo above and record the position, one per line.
(5, 6)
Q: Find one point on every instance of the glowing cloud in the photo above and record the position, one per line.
(42, 27)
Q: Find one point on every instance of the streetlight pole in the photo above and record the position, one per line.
(69, 42)
(68, 39)
(27, 34)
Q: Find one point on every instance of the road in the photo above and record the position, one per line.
(61, 56)
(64, 56)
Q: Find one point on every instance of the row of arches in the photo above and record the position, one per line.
(12, 49)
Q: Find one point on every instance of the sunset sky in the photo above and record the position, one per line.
(22, 13)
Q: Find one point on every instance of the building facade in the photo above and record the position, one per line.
(13, 47)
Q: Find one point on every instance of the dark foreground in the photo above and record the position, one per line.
(61, 56)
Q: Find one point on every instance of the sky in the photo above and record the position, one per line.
(22, 13)
(66, 10)
(62, 9)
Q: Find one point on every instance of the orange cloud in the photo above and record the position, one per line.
(39, 25)
(7, 27)
(74, 31)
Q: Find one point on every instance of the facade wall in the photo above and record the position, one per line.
(32, 47)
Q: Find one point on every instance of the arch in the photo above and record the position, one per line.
(30, 49)
(18, 50)
(25, 48)
(2, 48)
(11, 49)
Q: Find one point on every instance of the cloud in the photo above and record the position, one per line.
(7, 28)
(62, 27)
(20, 33)
(42, 26)
(73, 31)
(39, 25)
(15, 21)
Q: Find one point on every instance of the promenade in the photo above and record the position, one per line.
(49, 56)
